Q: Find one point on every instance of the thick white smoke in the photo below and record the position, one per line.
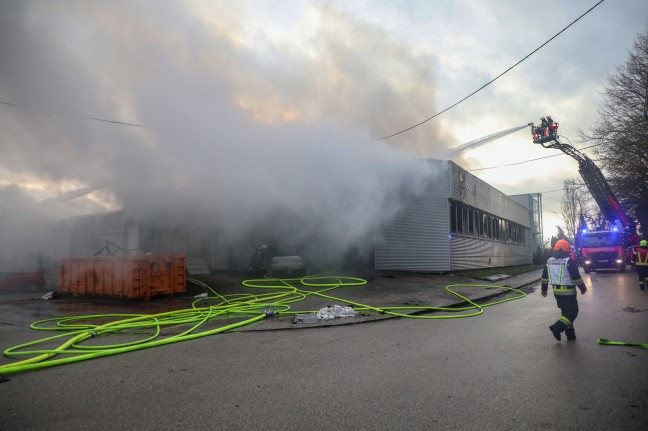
(242, 131)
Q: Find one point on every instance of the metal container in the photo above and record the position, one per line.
(136, 277)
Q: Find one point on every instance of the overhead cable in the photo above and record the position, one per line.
(492, 80)
(31, 108)
(530, 160)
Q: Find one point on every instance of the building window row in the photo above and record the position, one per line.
(470, 221)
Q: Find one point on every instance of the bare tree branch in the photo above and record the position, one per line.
(621, 133)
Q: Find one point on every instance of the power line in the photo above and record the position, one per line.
(31, 108)
(385, 137)
(494, 79)
(516, 163)
(530, 160)
(577, 186)
(552, 191)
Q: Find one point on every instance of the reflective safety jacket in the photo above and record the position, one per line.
(641, 256)
(562, 273)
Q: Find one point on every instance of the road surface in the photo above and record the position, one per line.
(501, 370)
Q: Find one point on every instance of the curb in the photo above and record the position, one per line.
(377, 317)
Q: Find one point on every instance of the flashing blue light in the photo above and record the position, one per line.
(584, 230)
(616, 229)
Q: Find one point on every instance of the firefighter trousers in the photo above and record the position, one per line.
(642, 272)
(569, 309)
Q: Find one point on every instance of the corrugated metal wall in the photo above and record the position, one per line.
(90, 233)
(468, 253)
(418, 238)
(467, 188)
(533, 201)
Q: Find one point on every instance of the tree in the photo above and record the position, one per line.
(621, 134)
(554, 240)
(541, 255)
(573, 205)
(596, 220)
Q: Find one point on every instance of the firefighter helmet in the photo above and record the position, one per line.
(562, 245)
(643, 243)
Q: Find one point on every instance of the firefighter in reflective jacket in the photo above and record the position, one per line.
(562, 273)
(640, 259)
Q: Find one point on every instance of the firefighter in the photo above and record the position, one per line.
(552, 126)
(549, 123)
(562, 273)
(640, 259)
(258, 259)
(544, 131)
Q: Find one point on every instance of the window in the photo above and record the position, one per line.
(470, 221)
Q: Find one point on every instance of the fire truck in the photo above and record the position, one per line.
(600, 249)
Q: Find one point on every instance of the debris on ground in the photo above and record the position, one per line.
(335, 311)
(497, 277)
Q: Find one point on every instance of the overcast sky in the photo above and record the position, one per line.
(249, 107)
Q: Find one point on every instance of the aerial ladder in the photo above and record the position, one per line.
(546, 134)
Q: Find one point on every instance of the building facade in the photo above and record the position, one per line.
(115, 233)
(459, 222)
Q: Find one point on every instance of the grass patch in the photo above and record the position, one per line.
(508, 270)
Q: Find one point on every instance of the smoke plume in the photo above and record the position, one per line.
(234, 127)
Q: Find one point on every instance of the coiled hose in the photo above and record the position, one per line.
(81, 335)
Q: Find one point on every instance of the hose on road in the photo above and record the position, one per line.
(82, 335)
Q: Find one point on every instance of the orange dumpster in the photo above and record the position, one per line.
(137, 277)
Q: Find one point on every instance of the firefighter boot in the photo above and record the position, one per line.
(557, 328)
(570, 333)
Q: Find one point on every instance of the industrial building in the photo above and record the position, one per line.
(460, 222)
(117, 233)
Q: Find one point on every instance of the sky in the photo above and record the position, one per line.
(273, 113)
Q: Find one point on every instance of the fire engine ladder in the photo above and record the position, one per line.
(595, 181)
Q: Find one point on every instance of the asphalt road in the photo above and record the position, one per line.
(501, 370)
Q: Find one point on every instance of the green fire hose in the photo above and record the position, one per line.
(80, 337)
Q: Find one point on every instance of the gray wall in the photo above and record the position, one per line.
(469, 189)
(469, 253)
(418, 239)
(89, 234)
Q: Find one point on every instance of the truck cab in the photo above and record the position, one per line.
(602, 250)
